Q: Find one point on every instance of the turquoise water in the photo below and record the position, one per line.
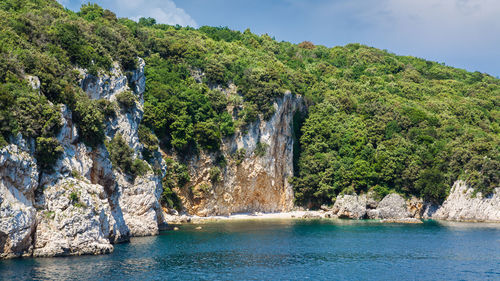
(287, 250)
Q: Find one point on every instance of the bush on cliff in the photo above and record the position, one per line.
(121, 155)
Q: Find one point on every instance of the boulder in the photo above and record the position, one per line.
(350, 206)
(393, 206)
(415, 207)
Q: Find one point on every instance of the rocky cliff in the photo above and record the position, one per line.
(86, 204)
(259, 162)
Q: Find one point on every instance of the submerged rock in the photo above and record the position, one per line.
(403, 220)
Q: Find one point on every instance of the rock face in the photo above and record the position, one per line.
(75, 220)
(86, 204)
(462, 205)
(18, 181)
(258, 181)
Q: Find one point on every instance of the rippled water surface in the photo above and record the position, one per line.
(287, 250)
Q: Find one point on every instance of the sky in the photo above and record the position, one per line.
(459, 33)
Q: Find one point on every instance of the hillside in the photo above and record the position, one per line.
(374, 120)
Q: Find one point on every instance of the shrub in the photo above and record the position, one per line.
(381, 191)
(240, 155)
(208, 135)
(215, 72)
(226, 125)
(107, 108)
(37, 117)
(149, 140)
(8, 122)
(74, 198)
(89, 121)
(126, 100)
(248, 115)
(121, 155)
(307, 45)
(75, 174)
(432, 187)
(215, 175)
(169, 198)
(176, 176)
(48, 151)
(261, 149)
(139, 167)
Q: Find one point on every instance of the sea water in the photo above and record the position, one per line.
(287, 250)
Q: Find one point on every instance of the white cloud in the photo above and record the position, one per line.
(164, 11)
(442, 22)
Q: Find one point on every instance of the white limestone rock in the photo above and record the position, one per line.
(18, 181)
(75, 220)
(462, 205)
(139, 203)
(350, 206)
(393, 206)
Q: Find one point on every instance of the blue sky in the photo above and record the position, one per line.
(460, 33)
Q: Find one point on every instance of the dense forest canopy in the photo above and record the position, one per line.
(375, 120)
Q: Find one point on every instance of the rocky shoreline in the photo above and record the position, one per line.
(86, 204)
(462, 205)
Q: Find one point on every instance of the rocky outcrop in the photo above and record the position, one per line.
(259, 163)
(86, 204)
(393, 206)
(74, 220)
(350, 206)
(139, 204)
(463, 205)
(18, 181)
(105, 86)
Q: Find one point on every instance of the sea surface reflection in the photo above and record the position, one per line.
(287, 250)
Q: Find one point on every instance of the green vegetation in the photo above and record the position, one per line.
(261, 149)
(239, 156)
(74, 199)
(121, 155)
(126, 99)
(375, 121)
(176, 176)
(215, 175)
(149, 140)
